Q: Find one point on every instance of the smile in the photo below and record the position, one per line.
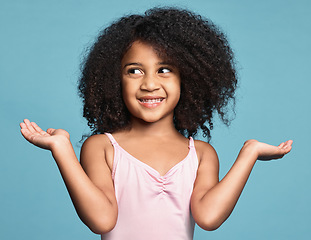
(154, 100)
(151, 102)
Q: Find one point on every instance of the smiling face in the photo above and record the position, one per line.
(150, 86)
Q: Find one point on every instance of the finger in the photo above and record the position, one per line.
(287, 146)
(37, 128)
(26, 133)
(24, 129)
(288, 143)
(281, 145)
(22, 125)
(29, 126)
(50, 130)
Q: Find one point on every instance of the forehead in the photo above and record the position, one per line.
(141, 52)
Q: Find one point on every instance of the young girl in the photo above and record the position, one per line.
(149, 84)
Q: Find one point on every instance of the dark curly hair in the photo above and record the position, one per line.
(192, 43)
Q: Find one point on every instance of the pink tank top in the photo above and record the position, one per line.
(151, 206)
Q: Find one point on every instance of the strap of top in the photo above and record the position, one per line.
(191, 143)
(111, 138)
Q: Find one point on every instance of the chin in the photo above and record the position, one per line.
(148, 119)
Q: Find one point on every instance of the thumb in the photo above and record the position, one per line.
(50, 130)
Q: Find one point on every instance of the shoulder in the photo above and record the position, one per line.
(97, 148)
(205, 151)
(100, 141)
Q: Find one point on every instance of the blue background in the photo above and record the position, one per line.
(42, 44)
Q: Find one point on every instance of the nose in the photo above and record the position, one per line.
(150, 83)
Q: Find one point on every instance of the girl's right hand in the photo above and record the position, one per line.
(43, 139)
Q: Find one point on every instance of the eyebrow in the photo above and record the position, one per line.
(130, 64)
(139, 64)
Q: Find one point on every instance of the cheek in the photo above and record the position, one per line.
(125, 94)
(175, 89)
(128, 88)
(128, 94)
(177, 96)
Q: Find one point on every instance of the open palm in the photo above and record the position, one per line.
(43, 139)
(269, 152)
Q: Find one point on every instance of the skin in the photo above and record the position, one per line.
(89, 182)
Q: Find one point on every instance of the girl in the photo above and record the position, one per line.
(149, 84)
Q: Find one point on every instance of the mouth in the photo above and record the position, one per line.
(150, 102)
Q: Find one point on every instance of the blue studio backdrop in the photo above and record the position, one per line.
(42, 45)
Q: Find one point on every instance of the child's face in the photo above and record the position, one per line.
(150, 86)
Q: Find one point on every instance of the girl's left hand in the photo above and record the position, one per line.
(268, 152)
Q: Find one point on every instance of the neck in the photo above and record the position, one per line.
(159, 128)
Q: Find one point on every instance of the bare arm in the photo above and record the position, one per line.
(212, 202)
(92, 196)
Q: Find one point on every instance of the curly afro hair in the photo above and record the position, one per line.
(192, 43)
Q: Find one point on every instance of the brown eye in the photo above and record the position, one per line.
(134, 71)
(164, 70)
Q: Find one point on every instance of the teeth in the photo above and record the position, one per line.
(155, 100)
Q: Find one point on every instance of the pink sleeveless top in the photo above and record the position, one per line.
(151, 206)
